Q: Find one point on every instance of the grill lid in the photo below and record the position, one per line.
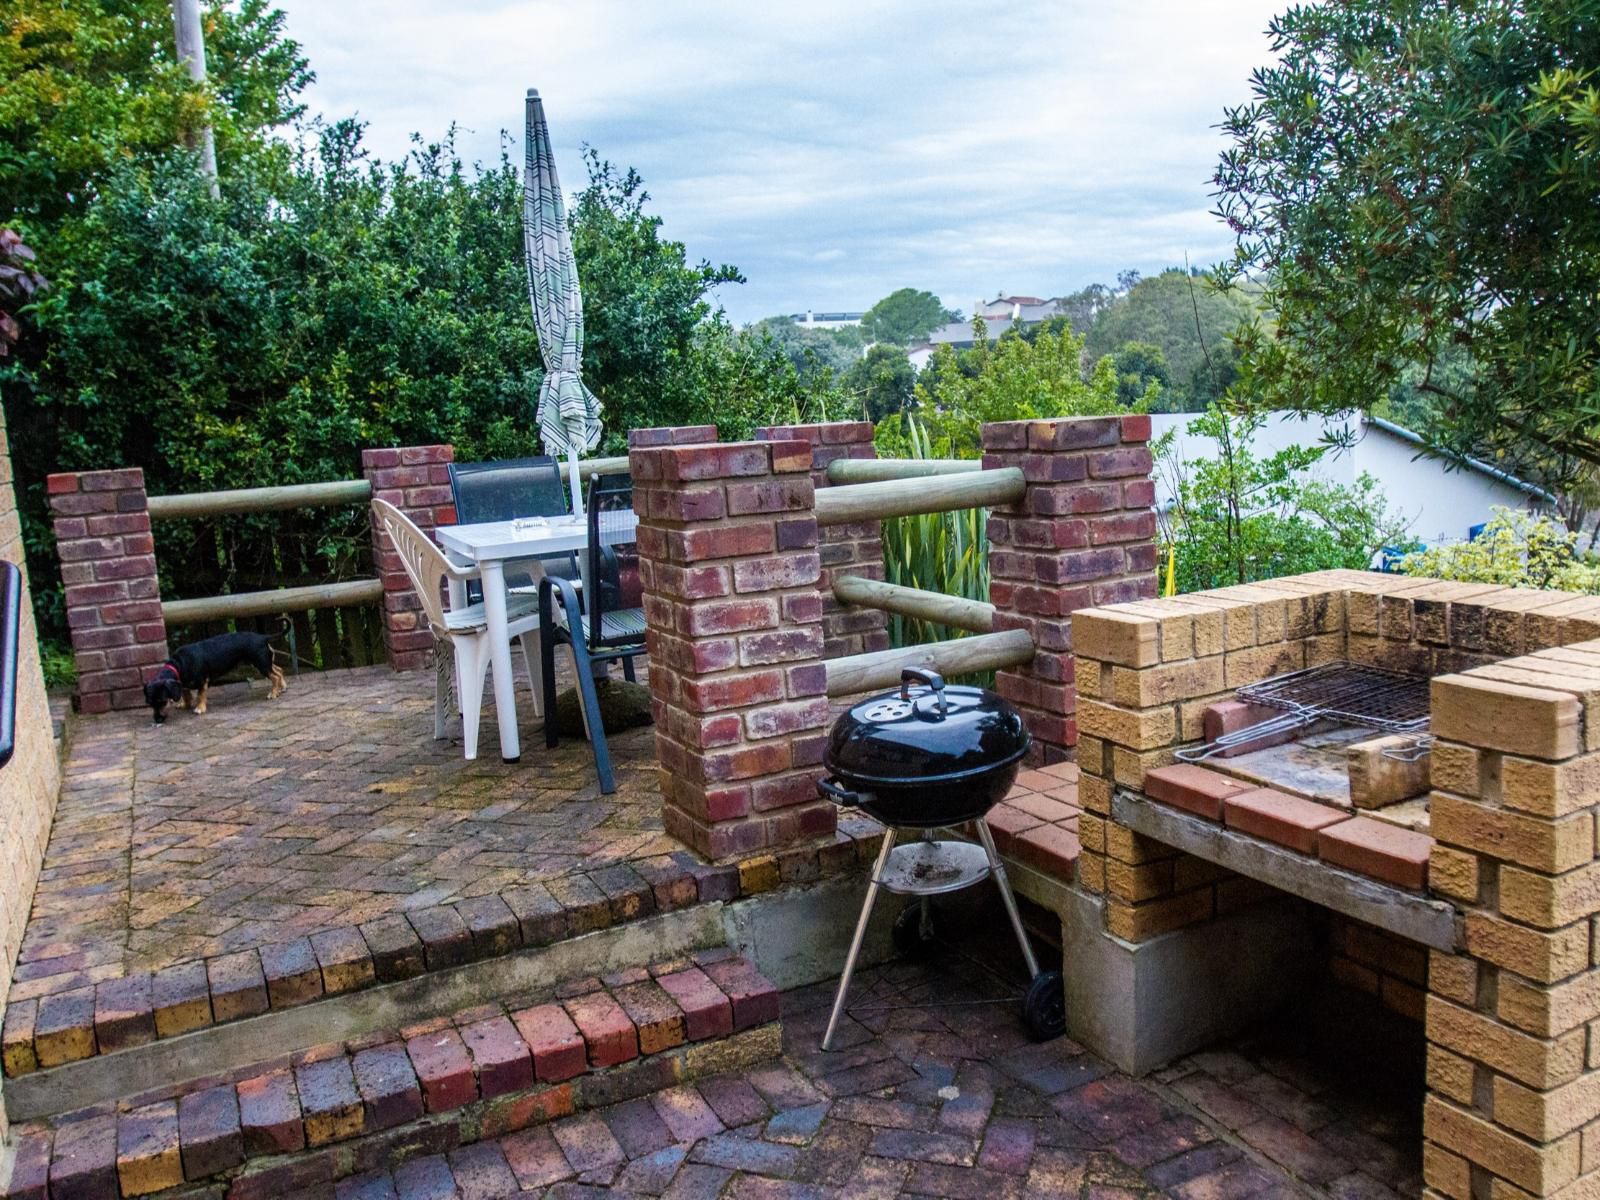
(925, 732)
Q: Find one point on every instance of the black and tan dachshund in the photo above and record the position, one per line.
(188, 673)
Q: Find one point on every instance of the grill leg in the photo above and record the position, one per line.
(997, 868)
(860, 936)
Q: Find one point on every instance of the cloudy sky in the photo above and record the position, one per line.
(835, 150)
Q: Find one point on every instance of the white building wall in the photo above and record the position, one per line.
(1440, 505)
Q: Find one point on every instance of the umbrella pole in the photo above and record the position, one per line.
(577, 490)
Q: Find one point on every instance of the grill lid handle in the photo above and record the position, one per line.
(929, 679)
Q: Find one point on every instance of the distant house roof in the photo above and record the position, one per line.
(1025, 301)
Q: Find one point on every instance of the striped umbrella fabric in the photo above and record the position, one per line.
(569, 413)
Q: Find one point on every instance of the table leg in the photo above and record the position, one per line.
(505, 693)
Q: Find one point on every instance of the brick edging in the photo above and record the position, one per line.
(135, 1010)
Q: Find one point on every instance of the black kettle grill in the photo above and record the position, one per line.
(927, 757)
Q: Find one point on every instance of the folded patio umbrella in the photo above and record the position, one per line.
(569, 413)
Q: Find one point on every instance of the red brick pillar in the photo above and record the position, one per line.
(845, 549)
(416, 480)
(729, 566)
(671, 435)
(108, 564)
(1082, 535)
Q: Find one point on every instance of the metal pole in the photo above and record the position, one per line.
(998, 870)
(860, 936)
(192, 52)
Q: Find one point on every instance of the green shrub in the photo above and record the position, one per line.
(1517, 549)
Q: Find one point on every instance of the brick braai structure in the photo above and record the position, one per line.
(855, 549)
(108, 564)
(729, 566)
(1082, 535)
(416, 480)
(671, 435)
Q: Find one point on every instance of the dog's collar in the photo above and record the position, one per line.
(169, 665)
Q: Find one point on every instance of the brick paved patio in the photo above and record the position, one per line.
(955, 1102)
(262, 822)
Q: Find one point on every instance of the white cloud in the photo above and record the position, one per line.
(838, 150)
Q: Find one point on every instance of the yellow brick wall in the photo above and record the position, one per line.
(28, 785)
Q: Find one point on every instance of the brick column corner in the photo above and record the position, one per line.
(845, 549)
(108, 564)
(671, 435)
(1082, 535)
(729, 566)
(416, 480)
(1513, 1076)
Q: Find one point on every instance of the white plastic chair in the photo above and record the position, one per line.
(464, 627)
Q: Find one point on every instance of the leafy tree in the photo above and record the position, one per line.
(20, 283)
(94, 82)
(1010, 379)
(1188, 321)
(1138, 365)
(882, 382)
(1083, 307)
(1237, 516)
(813, 351)
(904, 317)
(1413, 179)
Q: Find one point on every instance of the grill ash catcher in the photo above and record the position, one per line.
(925, 758)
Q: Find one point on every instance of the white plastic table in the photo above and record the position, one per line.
(489, 546)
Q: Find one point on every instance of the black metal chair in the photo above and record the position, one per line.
(505, 490)
(610, 631)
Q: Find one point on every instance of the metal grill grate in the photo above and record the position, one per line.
(1345, 692)
(1357, 695)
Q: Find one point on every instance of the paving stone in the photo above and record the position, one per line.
(292, 974)
(535, 1158)
(1309, 1159)
(967, 1183)
(1186, 1166)
(1008, 1146)
(707, 1012)
(796, 1126)
(697, 1181)
(30, 1166)
(492, 924)
(330, 1104)
(148, 1158)
(656, 1016)
(344, 958)
(586, 1142)
(238, 987)
(754, 1000)
(208, 1131)
(482, 1172)
(672, 885)
(373, 1185)
(388, 1085)
(500, 1056)
(395, 948)
(446, 941)
(650, 1174)
(181, 997)
(16, 1044)
(64, 1029)
(607, 1032)
(917, 1146)
(638, 1128)
(746, 1154)
(556, 1044)
(587, 908)
(629, 895)
(83, 1163)
(427, 1178)
(685, 1112)
(444, 1069)
(733, 1099)
(123, 1013)
(269, 1114)
(539, 915)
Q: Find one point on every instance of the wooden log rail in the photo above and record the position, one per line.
(876, 470)
(188, 505)
(346, 594)
(881, 668)
(976, 616)
(857, 502)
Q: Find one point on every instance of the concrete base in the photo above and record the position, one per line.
(1143, 1005)
(799, 936)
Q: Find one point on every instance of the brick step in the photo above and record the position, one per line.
(295, 1125)
(78, 1019)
